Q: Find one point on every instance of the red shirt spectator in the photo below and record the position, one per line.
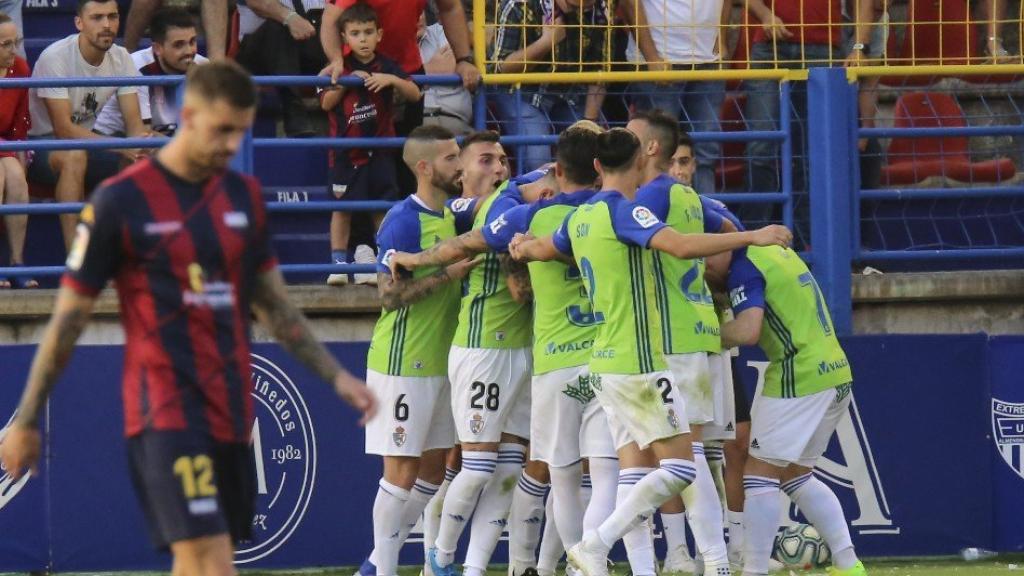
(14, 118)
(398, 19)
(821, 21)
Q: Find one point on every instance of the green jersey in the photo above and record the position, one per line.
(489, 317)
(688, 320)
(797, 336)
(608, 238)
(414, 340)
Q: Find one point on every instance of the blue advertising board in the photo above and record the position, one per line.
(928, 462)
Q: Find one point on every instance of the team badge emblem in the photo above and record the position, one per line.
(418, 365)
(1008, 433)
(476, 423)
(399, 436)
(673, 419)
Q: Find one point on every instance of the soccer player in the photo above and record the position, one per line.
(607, 238)
(683, 165)
(690, 332)
(186, 242)
(807, 389)
(408, 359)
(567, 423)
(484, 164)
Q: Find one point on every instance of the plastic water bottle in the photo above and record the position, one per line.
(973, 554)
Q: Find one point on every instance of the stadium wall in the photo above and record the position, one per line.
(929, 461)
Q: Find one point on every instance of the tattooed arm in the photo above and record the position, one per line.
(401, 292)
(441, 254)
(291, 329)
(21, 446)
(517, 276)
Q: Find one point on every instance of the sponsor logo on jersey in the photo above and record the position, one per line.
(829, 367)
(236, 220)
(399, 436)
(644, 217)
(476, 423)
(1008, 433)
(499, 223)
(162, 228)
(284, 450)
(9, 488)
(702, 329)
(738, 295)
(553, 348)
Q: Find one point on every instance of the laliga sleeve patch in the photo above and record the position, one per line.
(77, 254)
(385, 258)
(644, 217)
(460, 204)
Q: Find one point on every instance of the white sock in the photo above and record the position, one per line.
(735, 545)
(704, 510)
(524, 523)
(604, 477)
(432, 514)
(387, 526)
(652, 491)
(551, 548)
(419, 497)
(639, 541)
(821, 507)
(459, 502)
(568, 508)
(761, 510)
(714, 452)
(491, 515)
(586, 487)
(674, 526)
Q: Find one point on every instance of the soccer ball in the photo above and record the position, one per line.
(801, 547)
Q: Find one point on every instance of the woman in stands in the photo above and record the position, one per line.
(14, 124)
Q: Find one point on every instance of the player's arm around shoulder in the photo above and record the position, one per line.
(399, 291)
(688, 246)
(290, 328)
(744, 330)
(443, 253)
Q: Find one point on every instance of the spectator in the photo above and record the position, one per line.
(529, 36)
(683, 167)
(215, 24)
(793, 35)
(12, 9)
(14, 125)
(280, 38)
(448, 106)
(71, 112)
(173, 31)
(688, 35)
(360, 112)
(994, 16)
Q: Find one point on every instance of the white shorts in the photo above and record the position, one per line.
(693, 379)
(723, 427)
(413, 415)
(567, 422)
(490, 392)
(641, 408)
(787, 431)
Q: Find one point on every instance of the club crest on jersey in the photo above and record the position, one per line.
(399, 436)
(644, 217)
(673, 419)
(1008, 433)
(476, 423)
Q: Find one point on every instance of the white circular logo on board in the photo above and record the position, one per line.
(8, 487)
(284, 449)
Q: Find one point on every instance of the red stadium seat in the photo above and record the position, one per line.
(732, 166)
(911, 160)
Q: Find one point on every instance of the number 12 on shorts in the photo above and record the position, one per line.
(196, 474)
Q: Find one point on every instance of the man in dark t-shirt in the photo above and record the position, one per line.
(186, 242)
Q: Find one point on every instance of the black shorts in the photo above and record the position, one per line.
(375, 180)
(740, 392)
(191, 487)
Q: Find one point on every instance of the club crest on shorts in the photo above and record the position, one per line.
(1008, 433)
(673, 419)
(284, 453)
(476, 423)
(399, 436)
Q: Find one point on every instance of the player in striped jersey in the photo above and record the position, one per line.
(608, 239)
(807, 389)
(407, 360)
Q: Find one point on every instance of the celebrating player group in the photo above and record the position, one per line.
(559, 332)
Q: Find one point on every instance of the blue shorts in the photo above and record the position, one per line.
(190, 487)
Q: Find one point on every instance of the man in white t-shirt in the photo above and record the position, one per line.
(175, 43)
(448, 106)
(69, 113)
(687, 34)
